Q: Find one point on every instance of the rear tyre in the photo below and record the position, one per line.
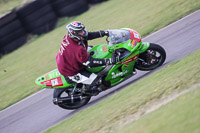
(65, 92)
(152, 58)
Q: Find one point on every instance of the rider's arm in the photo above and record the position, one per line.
(97, 34)
(95, 62)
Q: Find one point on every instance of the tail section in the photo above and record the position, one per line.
(52, 79)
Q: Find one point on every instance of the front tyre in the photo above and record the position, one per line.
(66, 92)
(152, 58)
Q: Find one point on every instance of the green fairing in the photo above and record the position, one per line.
(144, 47)
(47, 78)
(116, 74)
(99, 52)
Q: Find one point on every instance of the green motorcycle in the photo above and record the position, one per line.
(134, 54)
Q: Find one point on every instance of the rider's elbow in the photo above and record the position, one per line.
(93, 62)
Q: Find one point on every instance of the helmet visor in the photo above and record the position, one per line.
(82, 33)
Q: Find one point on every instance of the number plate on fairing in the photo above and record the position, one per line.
(55, 82)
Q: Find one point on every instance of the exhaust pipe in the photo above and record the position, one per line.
(71, 99)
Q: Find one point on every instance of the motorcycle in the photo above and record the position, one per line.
(134, 54)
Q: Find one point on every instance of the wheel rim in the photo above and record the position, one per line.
(150, 59)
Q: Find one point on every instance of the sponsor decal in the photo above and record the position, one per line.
(126, 65)
(135, 36)
(47, 77)
(54, 74)
(55, 82)
(115, 75)
(130, 59)
(133, 42)
(105, 48)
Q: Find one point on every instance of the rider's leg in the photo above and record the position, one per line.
(92, 81)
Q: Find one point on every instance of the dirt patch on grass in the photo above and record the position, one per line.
(150, 107)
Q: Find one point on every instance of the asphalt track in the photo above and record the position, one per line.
(37, 112)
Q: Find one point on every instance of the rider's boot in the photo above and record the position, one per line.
(97, 86)
(94, 90)
(134, 71)
(102, 87)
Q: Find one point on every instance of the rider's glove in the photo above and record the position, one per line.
(95, 62)
(106, 33)
(103, 33)
(114, 59)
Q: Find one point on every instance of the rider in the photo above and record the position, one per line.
(73, 57)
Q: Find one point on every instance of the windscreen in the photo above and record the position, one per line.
(118, 36)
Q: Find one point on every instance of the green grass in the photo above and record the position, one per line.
(179, 116)
(19, 69)
(8, 5)
(176, 117)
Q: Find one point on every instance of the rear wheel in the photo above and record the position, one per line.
(66, 92)
(152, 58)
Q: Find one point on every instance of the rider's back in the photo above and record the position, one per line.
(71, 57)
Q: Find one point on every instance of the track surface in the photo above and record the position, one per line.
(37, 112)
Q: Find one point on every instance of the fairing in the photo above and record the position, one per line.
(52, 79)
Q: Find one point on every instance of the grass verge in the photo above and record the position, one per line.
(108, 115)
(178, 116)
(9, 5)
(19, 69)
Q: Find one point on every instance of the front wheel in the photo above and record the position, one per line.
(66, 92)
(152, 58)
